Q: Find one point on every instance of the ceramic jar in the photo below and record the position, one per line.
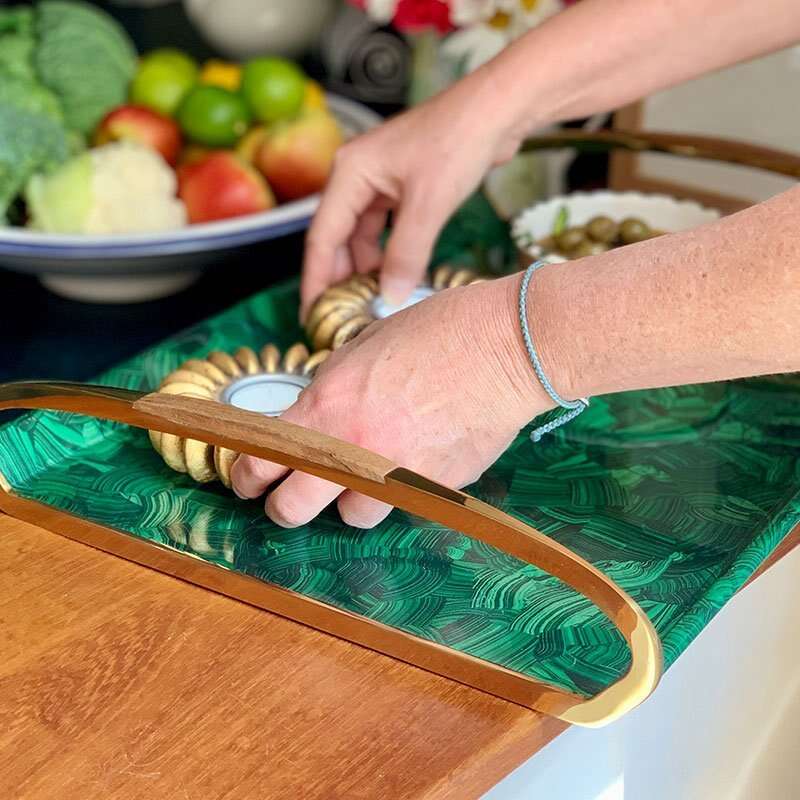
(244, 28)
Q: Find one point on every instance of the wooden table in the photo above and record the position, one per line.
(118, 682)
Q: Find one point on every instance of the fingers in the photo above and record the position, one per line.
(345, 199)
(361, 511)
(365, 247)
(251, 476)
(408, 251)
(299, 499)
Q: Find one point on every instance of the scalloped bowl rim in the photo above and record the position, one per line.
(691, 211)
(286, 218)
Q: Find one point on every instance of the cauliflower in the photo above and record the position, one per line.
(118, 188)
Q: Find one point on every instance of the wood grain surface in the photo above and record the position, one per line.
(118, 682)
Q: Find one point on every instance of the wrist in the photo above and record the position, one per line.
(551, 328)
(503, 345)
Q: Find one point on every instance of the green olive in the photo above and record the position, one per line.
(633, 230)
(570, 239)
(602, 229)
(548, 244)
(588, 248)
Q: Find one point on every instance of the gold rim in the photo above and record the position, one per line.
(207, 379)
(344, 310)
(371, 474)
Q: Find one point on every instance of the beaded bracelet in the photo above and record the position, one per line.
(573, 407)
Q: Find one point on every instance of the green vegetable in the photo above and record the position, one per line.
(28, 95)
(561, 222)
(30, 142)
(61, 201)
(17, 42)
(63, 66)
(85, 58)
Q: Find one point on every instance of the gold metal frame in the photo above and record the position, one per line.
(345, 309)
(208, 378)
(371, 474)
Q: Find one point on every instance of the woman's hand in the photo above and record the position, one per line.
(441, 388)
(420, 166)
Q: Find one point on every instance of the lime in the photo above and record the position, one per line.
(163, 79)
(274, 88)
(213, 116)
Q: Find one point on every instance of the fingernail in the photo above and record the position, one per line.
(395, 290)
(269, 510)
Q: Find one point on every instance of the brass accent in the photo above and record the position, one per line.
(248, 360)
(295, 357)
(276, 440)
(225, 362)
(343, 311)
(208, 379)
(270, 357)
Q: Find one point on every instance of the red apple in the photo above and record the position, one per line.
(297, 156)
(143, 126)
(222, 185)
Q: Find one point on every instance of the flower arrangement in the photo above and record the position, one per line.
(476, 30)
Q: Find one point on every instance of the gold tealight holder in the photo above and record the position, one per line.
(267, 383)
(346, 309)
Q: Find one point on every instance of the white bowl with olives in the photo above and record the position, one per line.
(587, 223)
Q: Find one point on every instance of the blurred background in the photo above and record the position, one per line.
(385, 62)
(339, 45)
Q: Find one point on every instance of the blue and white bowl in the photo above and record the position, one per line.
(125, 269)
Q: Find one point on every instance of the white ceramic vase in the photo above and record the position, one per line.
(243, 28)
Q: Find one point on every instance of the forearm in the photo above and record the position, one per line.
(719, 302)
(602, 54)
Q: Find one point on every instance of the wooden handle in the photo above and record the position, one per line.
(356, 468)
(677, 144)
(277, 440)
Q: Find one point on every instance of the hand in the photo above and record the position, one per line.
(420, 166)
(441, 388)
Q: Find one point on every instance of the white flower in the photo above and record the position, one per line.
(487, 26)
(382, 10)
(468, 12)
(474, 45)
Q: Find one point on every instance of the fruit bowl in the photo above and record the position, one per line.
(124, 269)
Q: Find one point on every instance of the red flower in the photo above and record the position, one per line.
(417, 15)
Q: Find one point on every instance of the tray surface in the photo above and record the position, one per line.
(677, 494)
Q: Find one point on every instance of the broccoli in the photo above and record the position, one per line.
(25, 93)
(30, 142)
(85, 58)
(17, 41)
(63, 65)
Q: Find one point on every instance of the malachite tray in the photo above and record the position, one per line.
(675, 495)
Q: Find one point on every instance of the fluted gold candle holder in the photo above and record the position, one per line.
(344, 310)
(266, 382)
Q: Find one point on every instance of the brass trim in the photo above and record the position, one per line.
(373, 475)
(677, 144)
(342, 311)
(211, 377)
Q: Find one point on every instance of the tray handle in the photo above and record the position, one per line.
(359, 469)
(729, 151)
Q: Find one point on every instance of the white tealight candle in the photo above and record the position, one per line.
(269, 394)
(381, 309)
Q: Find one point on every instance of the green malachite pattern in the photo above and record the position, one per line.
(677, 494)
